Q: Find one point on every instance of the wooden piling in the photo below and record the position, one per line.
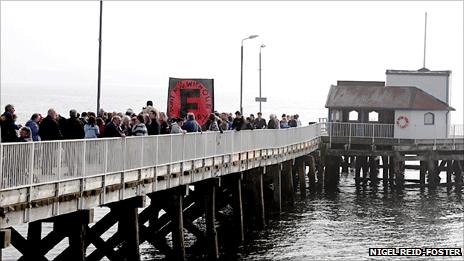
(77, 232)
(177, 223)
(373, 169)
(332, 172)
(365, 169)
(385, 169)
(288, 195)
(129, 230)
(449, 173)
(34, 235)
(301, 166)
(312, 173)
(358, 167)
(397, 171)
(422, 173)
(320, 172)
(274, 199)
(345, 164)
(5, 239)
(237, 206)
(210, 218)
(458, 178)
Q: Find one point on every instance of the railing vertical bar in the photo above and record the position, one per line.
(83, 159)
(31, 173)
(2, 181)
(60, 148)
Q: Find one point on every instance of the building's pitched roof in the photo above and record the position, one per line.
(421, 71)
(383, 97)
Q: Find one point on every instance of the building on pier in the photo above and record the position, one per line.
(411, 104)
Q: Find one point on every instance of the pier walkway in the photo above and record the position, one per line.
(188, 176)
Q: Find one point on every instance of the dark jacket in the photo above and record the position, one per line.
(191, 126)
(34, 130)
(164, 128)
(49, 129)
(260, 123)
(112, 130)
(74, 129)
(292, 123)
(273, 124)
(238, 123)
(154, 127)
(8, 127)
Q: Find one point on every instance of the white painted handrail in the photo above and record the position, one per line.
(30, 163)
(366, 130)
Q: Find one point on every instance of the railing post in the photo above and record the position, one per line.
(106, 157)
(124, 154)
(83, 158)
(31, 178)
(373, 133)
(60, 149)
(330, 133)
(349, 135)
(1, 164)
(141, 156)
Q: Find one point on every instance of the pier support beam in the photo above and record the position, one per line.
(312, 173)
(433, 170)
(34, 235)
(385, 171)
(210, 217)
(5, 238)
(373, 169)
(300, 169)
(237, 206)
(422, 173)
(178, 223)
(449, 173)
(397, 170)
(273, 196)
(332, 171)
(288, 195)
(253, 197)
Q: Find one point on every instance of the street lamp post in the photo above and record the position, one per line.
(260, 97)
(241, 71)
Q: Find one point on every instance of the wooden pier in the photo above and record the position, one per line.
(216, 192)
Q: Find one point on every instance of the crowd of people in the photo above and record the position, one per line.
(149, 121)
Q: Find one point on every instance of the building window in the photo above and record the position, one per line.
(374, 116)
(353, 116)
(429, 118)
(335, 115)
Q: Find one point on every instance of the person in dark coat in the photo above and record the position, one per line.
(8, 125)
(273, 122)
(191, 125)
(238, 122)
(74, 128)
(48, 128)
(260, 123)
(153, 126)
(113, 128)
(33, 124)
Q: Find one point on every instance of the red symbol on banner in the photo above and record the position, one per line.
(190, 96)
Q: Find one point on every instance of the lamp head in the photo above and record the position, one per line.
(252, 36)
(263, 45)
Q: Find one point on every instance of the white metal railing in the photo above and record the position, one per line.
(368, 130)
(26, 164)
(456, 131)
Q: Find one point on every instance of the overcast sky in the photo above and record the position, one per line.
(309, 46)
